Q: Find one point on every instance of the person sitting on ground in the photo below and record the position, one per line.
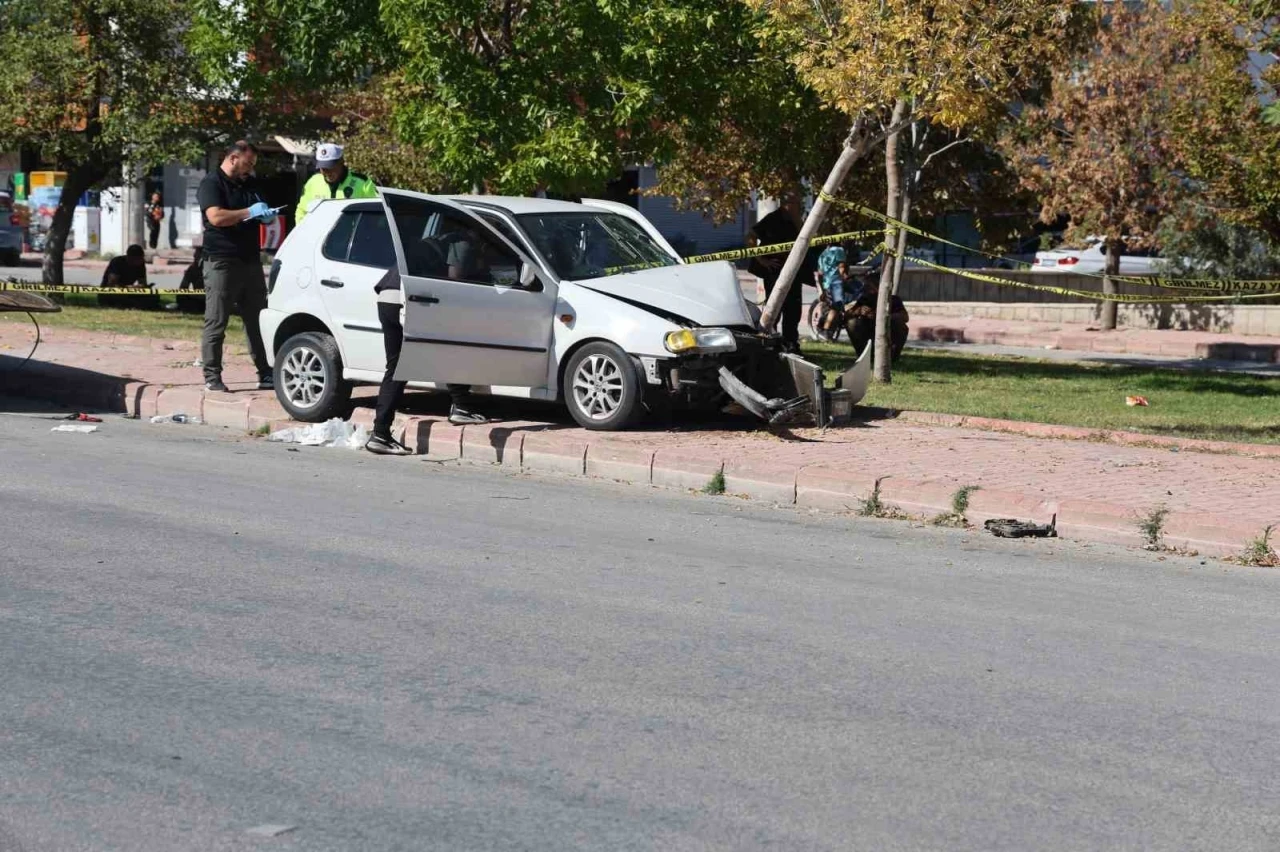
(837, 282)
(193, 279)
(127, 270)
(860, 318)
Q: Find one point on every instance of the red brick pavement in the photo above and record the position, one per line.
(1097, 490)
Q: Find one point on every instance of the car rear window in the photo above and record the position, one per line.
(371, 244)
(338, 243)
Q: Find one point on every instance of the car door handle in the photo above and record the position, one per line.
(426, 300)
(330, 282)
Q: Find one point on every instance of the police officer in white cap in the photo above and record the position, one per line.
(334, 180)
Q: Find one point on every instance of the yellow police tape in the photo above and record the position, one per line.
(1223, 286)
(91, 290)
(1091, 295)
(745, 253)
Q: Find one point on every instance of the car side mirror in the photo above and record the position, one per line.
(528, 275)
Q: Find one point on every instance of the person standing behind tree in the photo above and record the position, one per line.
(333, 180)
(155, 213)
(232, 261)
(775, 228)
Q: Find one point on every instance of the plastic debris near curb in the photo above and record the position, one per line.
(79, 428)
(176, 417)
(333, 433)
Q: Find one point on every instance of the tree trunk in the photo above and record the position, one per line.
(893, 177)
(1109, 309)
(79, 179)
(854, 149)
(904, 213)
(910, 181)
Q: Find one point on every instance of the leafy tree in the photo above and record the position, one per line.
(1157, 110)
(96, 83)
(517, 96)
(887, 63)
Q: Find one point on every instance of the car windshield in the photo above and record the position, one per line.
(592, 245)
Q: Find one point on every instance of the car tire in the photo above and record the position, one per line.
(602, 388)
(11, 258)
(308, 377)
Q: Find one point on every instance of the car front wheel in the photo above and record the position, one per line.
(308, 376)
(602, 388)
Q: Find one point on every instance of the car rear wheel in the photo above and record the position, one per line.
(602, 388)
(308, 375)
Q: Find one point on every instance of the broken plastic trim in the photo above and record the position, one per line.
(775, 410)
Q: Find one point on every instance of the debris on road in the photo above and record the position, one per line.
(75, 427)
(176, 417)
(271, 830)
(332, 433)
(83, 418)
(1013, 528)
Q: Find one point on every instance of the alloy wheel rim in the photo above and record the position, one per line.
(304, 377)
(598, 387)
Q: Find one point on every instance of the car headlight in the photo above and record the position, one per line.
(700, 340)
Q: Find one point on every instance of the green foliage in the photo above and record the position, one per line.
(518, 96)
(90, 82)
(715, 485)
(1151, 526)
(1196, 243)
(286, 53)
(872, 506)
(1259, 553)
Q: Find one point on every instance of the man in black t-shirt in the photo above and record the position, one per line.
(232, 261)
(127, 270)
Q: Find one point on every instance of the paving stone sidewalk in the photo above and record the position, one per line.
(1097, 489)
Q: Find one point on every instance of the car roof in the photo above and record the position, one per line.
(516, 205)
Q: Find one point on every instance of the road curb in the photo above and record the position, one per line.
(536, 447)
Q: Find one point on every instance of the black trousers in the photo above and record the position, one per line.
(231, 282)
(862, 331)
(154, 227)
(391, 392)
(792, 308)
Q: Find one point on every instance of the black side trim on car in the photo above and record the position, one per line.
(352, 327)
(470, 345)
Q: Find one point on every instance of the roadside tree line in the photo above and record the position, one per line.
(1141, 122)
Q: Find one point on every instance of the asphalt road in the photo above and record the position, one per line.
(202, 634)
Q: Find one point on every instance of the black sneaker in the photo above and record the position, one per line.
(216, 385)
(267, 382)
(386, 446)
(459, 416)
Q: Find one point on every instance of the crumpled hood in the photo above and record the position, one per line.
(705, 293)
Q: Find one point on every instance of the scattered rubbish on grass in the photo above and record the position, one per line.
(75, 427)
(176, 417)
(83, 418)
(333, 433)
(1139, 401)
(1013, 528)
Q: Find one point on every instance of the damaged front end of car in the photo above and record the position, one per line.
(755, 372)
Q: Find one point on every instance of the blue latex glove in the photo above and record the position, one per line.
(261, 211)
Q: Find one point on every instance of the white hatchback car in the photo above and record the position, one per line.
(524, 297)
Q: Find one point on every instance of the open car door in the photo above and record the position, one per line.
(477, 310)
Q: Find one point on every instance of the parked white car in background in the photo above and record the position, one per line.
(1093, 260)
(524, 297)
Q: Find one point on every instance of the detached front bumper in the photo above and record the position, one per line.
(774, 386)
